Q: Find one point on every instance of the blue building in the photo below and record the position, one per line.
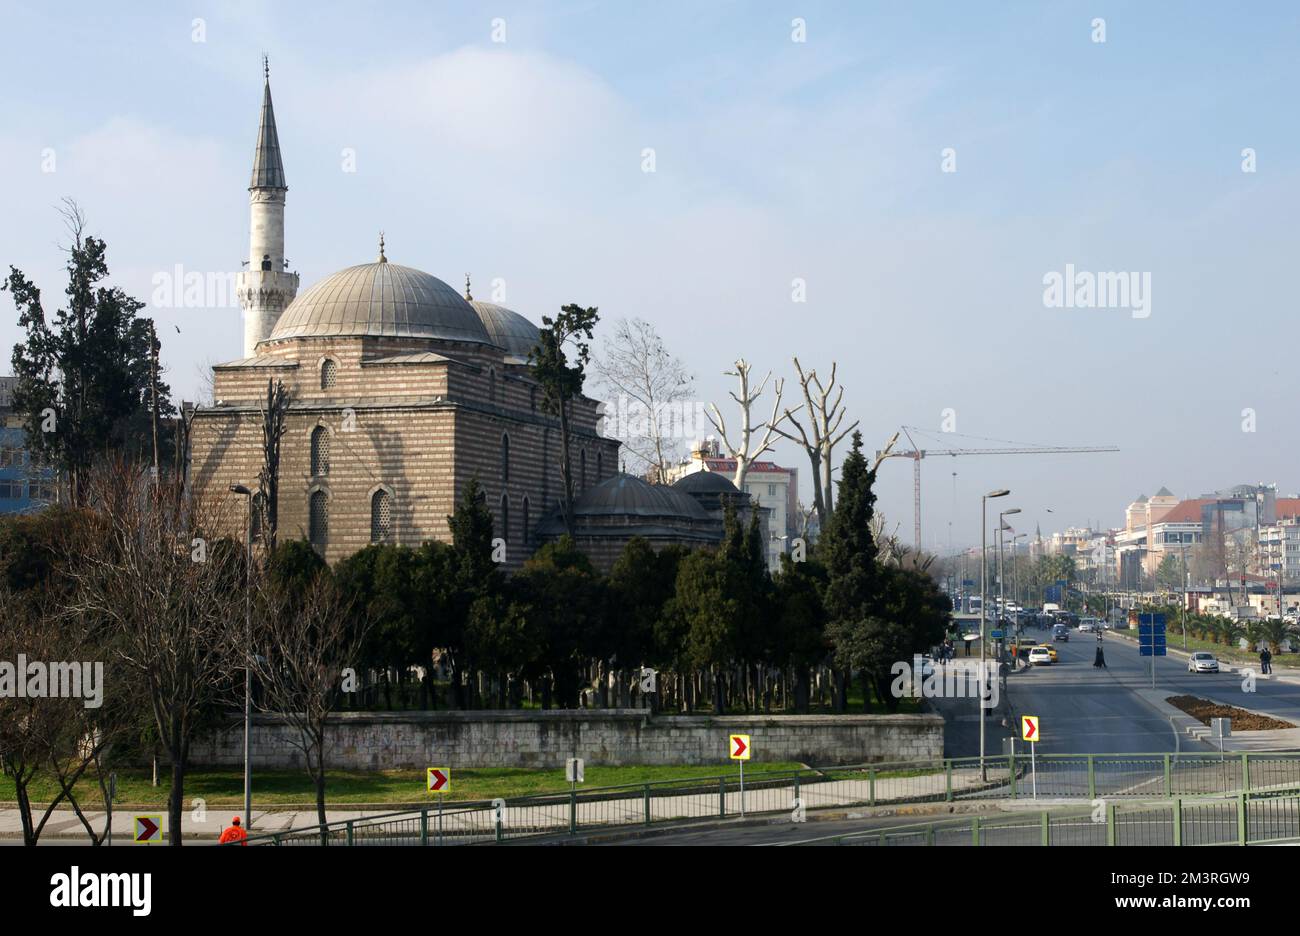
(23, 484)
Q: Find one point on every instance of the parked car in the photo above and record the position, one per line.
(1040, 656)
(1202, 662)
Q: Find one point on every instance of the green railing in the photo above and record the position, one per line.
(1005, 777)
(1237, 820)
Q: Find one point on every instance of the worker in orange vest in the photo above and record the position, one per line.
(234, 833)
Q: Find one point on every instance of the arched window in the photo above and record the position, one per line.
(381, 517)
(505, 458)
(320, 452)
(583, 461)
(600, 466)
(505, 517)
(329, 374)
(527, 535)
(319, 519)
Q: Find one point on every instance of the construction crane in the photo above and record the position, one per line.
(916, 454)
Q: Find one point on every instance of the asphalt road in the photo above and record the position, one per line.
(1085, 710)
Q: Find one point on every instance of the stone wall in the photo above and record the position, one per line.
(614, 737)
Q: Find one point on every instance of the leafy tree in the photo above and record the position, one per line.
(800, 640)
(473, 574)
(558, 363)
(849, 551)
(1170, 572)
(566, 600)
(84, 378)
(295, 566)
(641, 585)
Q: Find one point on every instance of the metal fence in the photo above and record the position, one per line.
(1238, 820)
(1005, 777)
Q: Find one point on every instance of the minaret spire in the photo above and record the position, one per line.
(468, 297)
(265, 288)
(382, 258)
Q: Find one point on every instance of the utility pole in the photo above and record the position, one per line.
(153, 392)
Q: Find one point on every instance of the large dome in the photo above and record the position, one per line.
(508, 329)
(381, 299)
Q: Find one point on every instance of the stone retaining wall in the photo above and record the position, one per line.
(380, 741)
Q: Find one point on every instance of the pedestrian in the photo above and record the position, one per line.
(235, 833)
(1266, 660)
(1100, 660)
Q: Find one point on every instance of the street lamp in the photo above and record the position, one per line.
(248, 637)
(984, 589)
(1002, 525)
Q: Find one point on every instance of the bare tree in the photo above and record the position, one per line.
(268, 479)
(745, 451)
(638, 369)
(821, 435)
(303, 641)
(151, 570)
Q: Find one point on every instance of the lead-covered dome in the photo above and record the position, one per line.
(506, 328)
(383, 300)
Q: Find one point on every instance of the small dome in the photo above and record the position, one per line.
(507, 329)
(381, 299)
(624, 494)
(705, 482)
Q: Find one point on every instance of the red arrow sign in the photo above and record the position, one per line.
(740, 745)
(437, 779)
(1030, 729)
(145, 828)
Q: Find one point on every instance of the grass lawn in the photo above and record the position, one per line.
(293, 787)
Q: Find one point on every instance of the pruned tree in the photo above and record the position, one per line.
(274, 414)
(303, 641)
(639, 369)
(558, 363)
(821, 434)
(745, 450)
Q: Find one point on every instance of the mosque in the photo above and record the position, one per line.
(400, 391)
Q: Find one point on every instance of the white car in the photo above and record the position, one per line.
(1202, 662)
(1040, 656)
(1085, 628)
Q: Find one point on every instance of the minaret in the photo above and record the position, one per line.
(264, 287)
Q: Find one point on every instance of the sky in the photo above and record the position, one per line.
(922, 169)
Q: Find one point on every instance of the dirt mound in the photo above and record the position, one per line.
(1203, 710)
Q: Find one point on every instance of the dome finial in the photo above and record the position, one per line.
(266, 67)
(468, 297)
(382, 258)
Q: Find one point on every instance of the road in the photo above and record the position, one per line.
(1085, 710)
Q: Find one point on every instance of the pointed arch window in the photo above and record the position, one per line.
(381, 517)
(320, 452)
(505, 517)
(583, 462)
(505, 458)
(319, 519)
(526, 533)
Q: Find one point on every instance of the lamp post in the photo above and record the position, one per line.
(248, 638)
(1002, 526)
(1015, 582)
(984, 588)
